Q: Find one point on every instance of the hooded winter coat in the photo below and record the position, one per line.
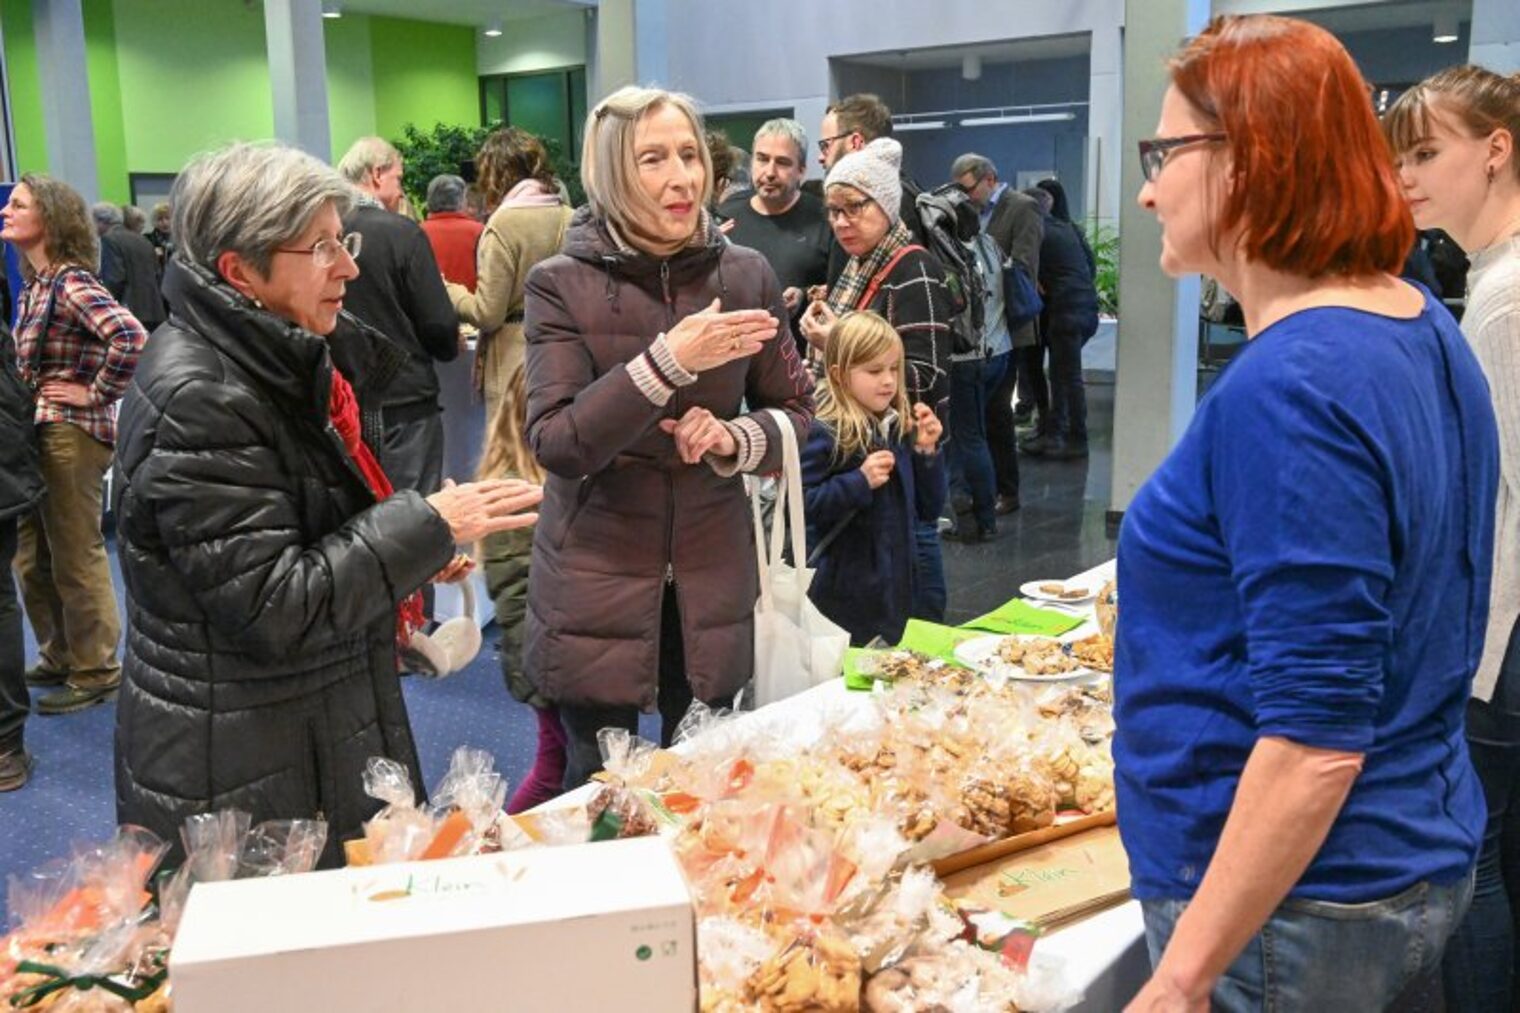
(261, 576)
(622, 514)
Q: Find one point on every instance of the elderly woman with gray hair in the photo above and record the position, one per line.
(270, 570)
(653, 354)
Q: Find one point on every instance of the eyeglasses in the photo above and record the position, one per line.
(824, 143)
(1153, 152)
(325, 251)
(849, 212)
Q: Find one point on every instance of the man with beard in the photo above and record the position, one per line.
(780, 222)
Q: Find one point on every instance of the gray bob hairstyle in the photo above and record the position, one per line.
(251, 199)
(609, 168)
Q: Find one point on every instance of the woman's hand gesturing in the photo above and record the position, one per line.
(709, 338)
(698, 432)
(477, 509)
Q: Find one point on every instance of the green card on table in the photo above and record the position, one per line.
(940, 641)
(1018, 616)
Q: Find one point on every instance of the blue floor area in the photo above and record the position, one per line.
(70, 798)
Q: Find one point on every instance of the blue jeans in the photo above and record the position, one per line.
(971, 384)
(1478, 973)
(1317, 955)
(929, 579)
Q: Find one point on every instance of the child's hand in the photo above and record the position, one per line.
(927, 428)
(878, 468)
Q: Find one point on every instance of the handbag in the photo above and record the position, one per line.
(796, 646)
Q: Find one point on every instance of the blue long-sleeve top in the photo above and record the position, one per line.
(864, 579)
(1312, 562)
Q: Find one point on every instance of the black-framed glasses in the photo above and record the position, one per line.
(825, 142)
(849, 211)
(1153, 152)
(325, 251)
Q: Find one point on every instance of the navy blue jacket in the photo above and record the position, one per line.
(865, 576)
(1066, 279)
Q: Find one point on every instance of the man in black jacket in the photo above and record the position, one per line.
(400, 293)
(21, 488)
(128, 266)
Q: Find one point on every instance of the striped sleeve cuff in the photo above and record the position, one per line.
(750, 439)
(657, 374)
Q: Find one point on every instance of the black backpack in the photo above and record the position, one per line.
(951, 221)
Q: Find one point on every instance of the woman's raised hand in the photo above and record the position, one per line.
(709, 338)
(477, 509)
(816, 323)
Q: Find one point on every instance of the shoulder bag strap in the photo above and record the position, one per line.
(881, 276)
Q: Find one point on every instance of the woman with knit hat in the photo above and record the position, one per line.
(892, 276)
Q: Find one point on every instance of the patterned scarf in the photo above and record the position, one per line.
(343, 409)
(857, 274)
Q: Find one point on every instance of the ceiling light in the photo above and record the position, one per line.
(998, 121)
(1446, 28)
(331, 9)
(492, 30)
(918, 125)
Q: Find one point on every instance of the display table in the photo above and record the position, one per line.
(1103, 954)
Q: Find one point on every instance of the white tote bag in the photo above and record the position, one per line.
(796, 646)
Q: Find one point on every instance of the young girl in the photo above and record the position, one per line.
(1454, 138)
(871, 470)
(506, 556)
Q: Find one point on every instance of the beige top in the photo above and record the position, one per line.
(515, 239)
(1492, 325)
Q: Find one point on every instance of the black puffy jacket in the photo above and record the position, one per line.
(262, 578)
(20, 475)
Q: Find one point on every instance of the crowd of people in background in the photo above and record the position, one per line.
(257, 361)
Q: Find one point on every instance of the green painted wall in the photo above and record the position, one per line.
(193, 75)
(172, 78)
(25, 86)
(424, 74)
(350, 81)
(105, 101)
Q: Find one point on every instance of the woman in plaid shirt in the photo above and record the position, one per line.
(77, 348)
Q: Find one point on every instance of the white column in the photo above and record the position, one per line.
(63, 69)
(1495, 35)
(1105, 119)
(298, 74)
(1156, 379)
(616, 63)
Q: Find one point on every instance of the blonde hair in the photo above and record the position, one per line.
(609, 168)
(507, 452)
(858, 338)
(1477, 99)
(365, 155)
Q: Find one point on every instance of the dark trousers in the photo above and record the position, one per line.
(1478, 973)
(930, 595)
(413, 453)
(14, 701)
(583, 756)
(1002, 434)
(1068, 395)
(1033, 388)
(971, 383)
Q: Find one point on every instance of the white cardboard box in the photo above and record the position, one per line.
(605, 926)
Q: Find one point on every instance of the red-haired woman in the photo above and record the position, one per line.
(1306, 576)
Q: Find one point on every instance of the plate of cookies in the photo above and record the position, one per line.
(1061, 592)
(1037, 659)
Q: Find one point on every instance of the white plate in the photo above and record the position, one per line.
(981, 654)
(1031, 589)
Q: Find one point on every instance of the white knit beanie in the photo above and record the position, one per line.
(875, 171)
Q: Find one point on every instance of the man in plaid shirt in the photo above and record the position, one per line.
(78, 348)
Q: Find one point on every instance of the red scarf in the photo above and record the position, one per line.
(343, 409)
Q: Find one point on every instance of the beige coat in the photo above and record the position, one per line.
(515, 239)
